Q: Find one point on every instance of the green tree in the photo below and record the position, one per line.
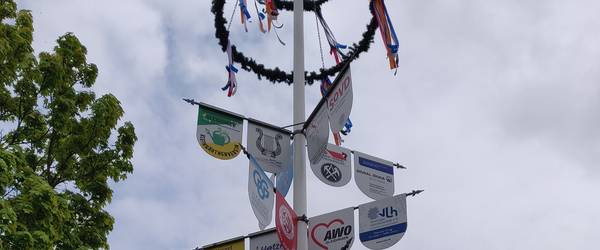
(59, 145)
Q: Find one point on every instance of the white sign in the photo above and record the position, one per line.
(317, 134)
(332, 231)
(382, 223)
(335, 167)
(265, 241)
(269, 146)
(374, 176)
(260, 192)
(339, 101)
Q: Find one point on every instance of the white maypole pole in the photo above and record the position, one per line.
(299, 116)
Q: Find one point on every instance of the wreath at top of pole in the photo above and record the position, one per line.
(277, 75)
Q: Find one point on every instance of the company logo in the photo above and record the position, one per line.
(267, 144)
(331, 172)
(387, 212)
(389, 179)
(373, 213)
(336, 230)
(262, 187)
(286, 222)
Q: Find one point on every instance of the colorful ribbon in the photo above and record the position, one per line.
(244, 13)
(272, 13)
(261, 17)
(335, 47)
(386, 28)
(231, 82)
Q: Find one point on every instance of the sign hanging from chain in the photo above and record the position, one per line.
(339, 101)
(382, 223)
(286, 223)
(332, 231)
(219, 132)
(269, 145)
(334, 168)
(373, 176)
(260, 192)
(265, 240)
(285, 177)
(317, 134)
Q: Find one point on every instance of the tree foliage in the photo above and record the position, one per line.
(59, 145)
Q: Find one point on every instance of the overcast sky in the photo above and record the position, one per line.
(494, 110)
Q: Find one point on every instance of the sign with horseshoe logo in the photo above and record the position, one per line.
(269, 145)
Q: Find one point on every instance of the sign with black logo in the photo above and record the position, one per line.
(332, 231)
(334, 168)
(269, 145)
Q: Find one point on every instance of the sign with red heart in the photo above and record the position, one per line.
(286, 223)
(332, 231)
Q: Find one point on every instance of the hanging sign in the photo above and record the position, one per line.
(334, 168)
(382, 223)
(374, 176)
(265, 240)
(286, 223)
(317, 133)
(285, 177)
(232, 244)
(219, 132)
(332, 231)
(269, 145)
(260, 192)
(339, 100)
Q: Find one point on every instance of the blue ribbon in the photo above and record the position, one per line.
(244, 9)
(393, 47)
(227, 86)
(347, 127)
(340, 46)
(230, 68)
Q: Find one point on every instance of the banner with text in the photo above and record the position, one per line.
(267, 240)
(339, 101)
(335, 167)
(269, 146)
(260, 192)
(219, 133)
(383, 222)
(374, 176)
(332, 231)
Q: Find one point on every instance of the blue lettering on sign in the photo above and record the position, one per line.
(383, 232)
(376, 165)
(389, 212)
(262, 187)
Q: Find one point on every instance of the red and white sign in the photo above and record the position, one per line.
(339, 101)
(286, 223)
(332, 231)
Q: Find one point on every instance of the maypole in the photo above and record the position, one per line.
(299, 116)
(219, 132)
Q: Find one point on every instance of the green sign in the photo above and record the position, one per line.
(219, 133)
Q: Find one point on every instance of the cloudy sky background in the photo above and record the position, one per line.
(494, 110)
